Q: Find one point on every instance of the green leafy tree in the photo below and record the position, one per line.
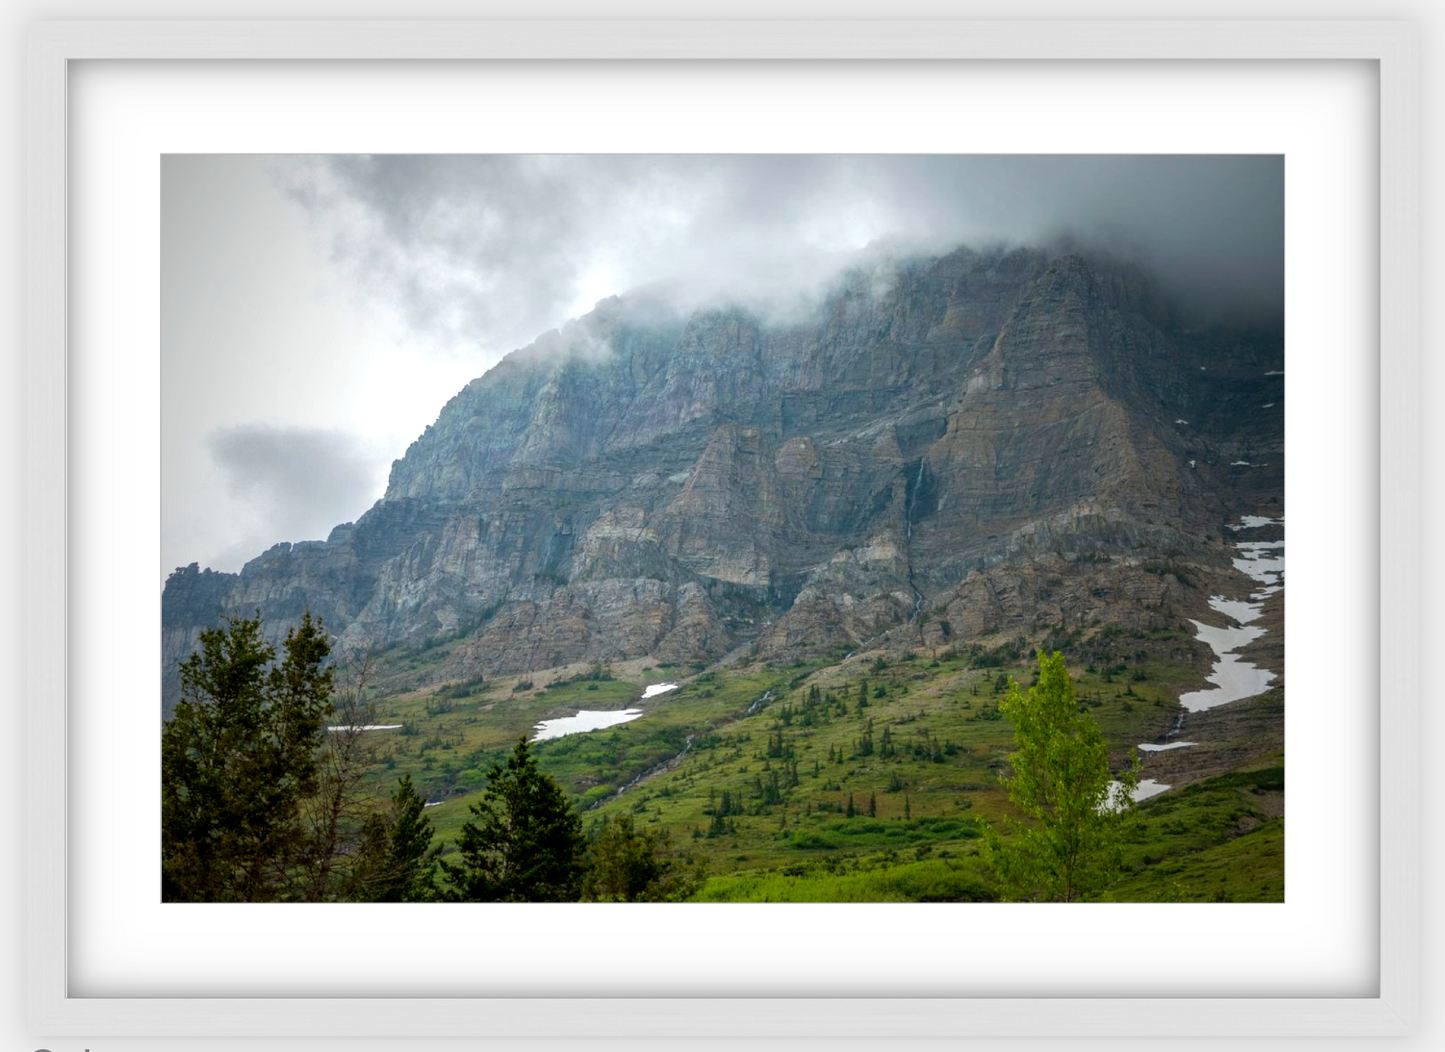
(628, 865)
(397, 861)
(526, 844)
(1061, 781)
(238, 758)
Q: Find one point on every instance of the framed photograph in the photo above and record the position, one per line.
(683, 529)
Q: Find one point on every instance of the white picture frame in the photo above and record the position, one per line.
(53, 46)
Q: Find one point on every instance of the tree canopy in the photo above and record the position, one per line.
(1060, 779)
(396, 861)
(260, 802)
(526, 842)
(237, 759)
(631, 865)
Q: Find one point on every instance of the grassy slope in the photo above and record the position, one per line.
(1203, 842)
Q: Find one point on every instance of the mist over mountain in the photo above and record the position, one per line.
(934, 444)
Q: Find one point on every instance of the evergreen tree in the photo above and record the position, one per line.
(1061, 781)
(631, 866)
(872, 805)
(907, 809)
(237, 759)
(851, 812)
(527, 843)
(397, 861)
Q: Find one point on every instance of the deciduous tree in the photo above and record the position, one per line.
(1060, 779)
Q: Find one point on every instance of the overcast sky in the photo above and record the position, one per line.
(316, 312)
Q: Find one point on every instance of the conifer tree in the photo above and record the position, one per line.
(526, 844)
(397, 861)
(627, 865)
(237, 759)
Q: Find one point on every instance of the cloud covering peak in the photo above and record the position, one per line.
(490, 250)
(317, 311)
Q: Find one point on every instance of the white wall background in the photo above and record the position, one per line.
(1427, 14)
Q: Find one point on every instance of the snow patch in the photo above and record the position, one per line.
(586, 720)
(1147, 787)
(1250, 522)
(1241, 610)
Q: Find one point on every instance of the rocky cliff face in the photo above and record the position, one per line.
(646, 483)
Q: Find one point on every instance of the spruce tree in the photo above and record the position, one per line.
(397, 861)
(526, 844)
(627, 865)
(237, 759)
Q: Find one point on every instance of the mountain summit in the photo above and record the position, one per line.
(949, 448)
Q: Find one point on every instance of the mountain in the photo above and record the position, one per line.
(962, 447)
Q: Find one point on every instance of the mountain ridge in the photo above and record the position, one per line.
(944, 434)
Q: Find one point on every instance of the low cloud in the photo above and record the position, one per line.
(344, 299)
(294, 483)
(487, 251)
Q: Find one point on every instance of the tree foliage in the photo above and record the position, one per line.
(526, 844)
(260, 802)
(396, 861)
(237, 760)
(630, 865)
(1060, 779)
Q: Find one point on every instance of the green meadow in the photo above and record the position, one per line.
(857, 779)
